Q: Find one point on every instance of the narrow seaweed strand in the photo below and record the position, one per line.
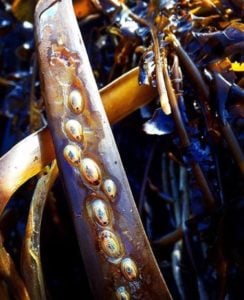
(30, 253)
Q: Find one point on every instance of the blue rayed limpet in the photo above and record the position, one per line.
(76, 101)
(110, 244)
(74, 130)
(90, 171)
(129, 269)
(109, 188)
(122, 294)
(72, 154)
(100, 212)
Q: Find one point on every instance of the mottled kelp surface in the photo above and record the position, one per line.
(185, 167)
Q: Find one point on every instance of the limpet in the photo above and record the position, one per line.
(100, 212)
(72, 154)
(76, 102)
(74, 130)
(122, 294)
(90, 171)
(109, 188)
(110, 244)
(129, 269)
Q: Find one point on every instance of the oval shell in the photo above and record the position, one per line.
(129, 269)
(72, 154)
(74, 130)
(110, 244)
(100, 212)
(76, 102)
(122, 294)
(109, 188)
(90, 171)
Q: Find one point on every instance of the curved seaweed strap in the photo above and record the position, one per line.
(117, 255)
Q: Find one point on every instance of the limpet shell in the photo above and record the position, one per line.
(129, 269)
(74, 130)
(76, 101)
(72, 154)
(110, 244)
(109, 188)
(122, 294)
(100, 212)
(90, 171)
